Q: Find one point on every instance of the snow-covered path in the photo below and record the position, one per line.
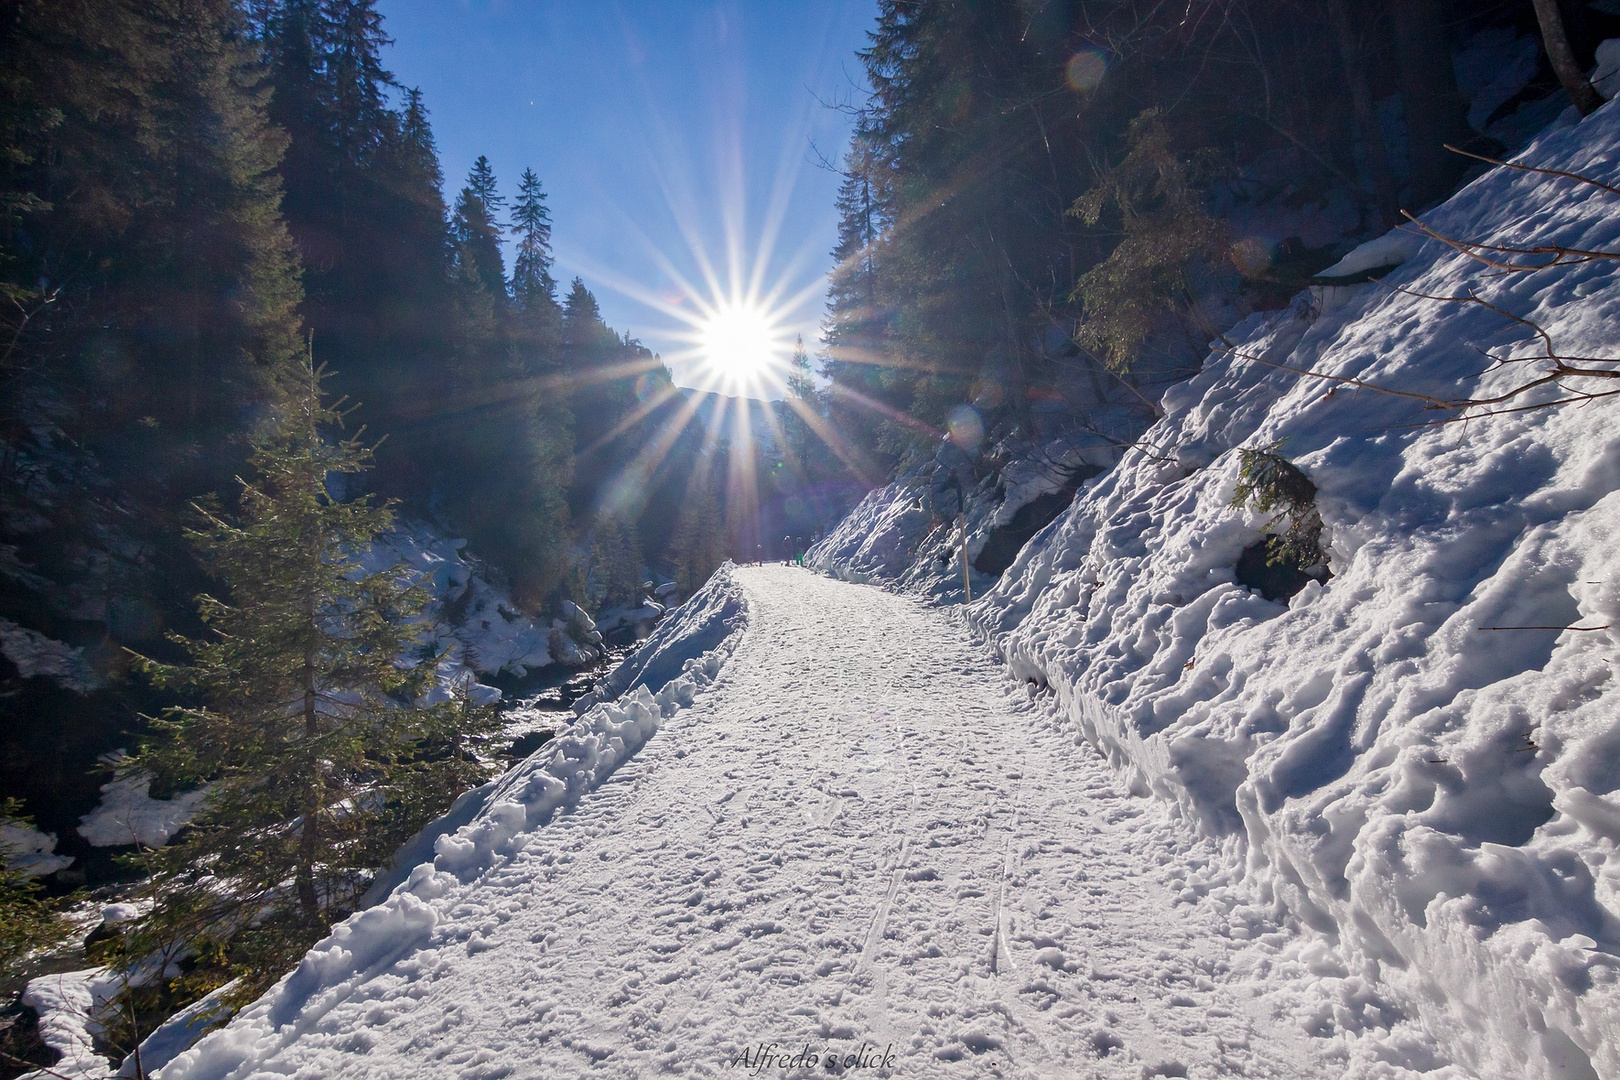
(863, 834)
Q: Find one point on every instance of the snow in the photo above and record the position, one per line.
(31, 851)
(487, 633)
(179, 1032)
(1606, 75)
(876, 540)
(1391, 249)
(706, 622)
(1435, 799)
(488, 830)
(1153, 824)
(905, 534)
(861, 840)
(127, 814)
(67, 1005)
(35, 654)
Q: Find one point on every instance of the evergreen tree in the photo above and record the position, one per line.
(28, 922)
(698, 544)
(1158, 201)
(304, 732)
(357, 110)
(139, 180)
(615, 570)
(481, 180)
(533, 287)
(477, 233)
(802, 399)
(585, 336)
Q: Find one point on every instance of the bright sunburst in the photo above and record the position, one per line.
(739, 344)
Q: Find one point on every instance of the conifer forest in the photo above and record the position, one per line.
(347, 550)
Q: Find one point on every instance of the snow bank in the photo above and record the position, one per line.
(876, 540)
(179, 1031)
(1437, 797)
(712, 617)
(127, 814)
(905, 535)
(67, 1005)
(579, 759)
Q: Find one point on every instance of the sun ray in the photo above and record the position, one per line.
(632, 418)
(627, 493)
(889, 411)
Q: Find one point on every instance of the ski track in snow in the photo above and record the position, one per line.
(863, 833)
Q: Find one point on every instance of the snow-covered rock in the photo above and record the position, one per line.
(1418, 759)
(35, 654)
(127, 814)
(475, 625)
(30, 851)
(907, 534)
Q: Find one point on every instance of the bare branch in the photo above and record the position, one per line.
(1536, 169)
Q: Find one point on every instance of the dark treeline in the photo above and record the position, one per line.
(204, 204)
(196, 192)
(494, 395)
(198, 196)
(1048, 207)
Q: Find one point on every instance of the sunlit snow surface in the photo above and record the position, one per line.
(860, 833)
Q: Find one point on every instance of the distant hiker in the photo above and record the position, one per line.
(759, 554)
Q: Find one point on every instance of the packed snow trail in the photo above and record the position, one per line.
(863, 840)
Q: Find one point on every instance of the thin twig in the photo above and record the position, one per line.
(1562, 256)
(1605, 626)
(1536, 169)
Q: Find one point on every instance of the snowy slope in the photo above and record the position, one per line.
(482, 829)
(1439, 800)
(906, 534)
(862, 841)
(445, 867)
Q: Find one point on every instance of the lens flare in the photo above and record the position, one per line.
(966, 428)
(1085, 70)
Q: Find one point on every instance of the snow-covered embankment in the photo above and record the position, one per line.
(683, 657)
(1420, 760)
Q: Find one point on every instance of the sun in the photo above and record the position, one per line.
(739, 343)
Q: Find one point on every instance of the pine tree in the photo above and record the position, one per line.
(802, 399)
(1165, 232)
(481, 180)
(356, 82)
(583, 330)
(28, 922)
(800, 383)
(304, 731)
(532, 283)
(477, 233)
(698, 545)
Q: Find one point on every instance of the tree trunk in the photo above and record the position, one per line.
(1569, 72)
(308, 839)
(1434, 108)
(1385, 193)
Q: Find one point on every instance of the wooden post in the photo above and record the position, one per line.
(967, 585)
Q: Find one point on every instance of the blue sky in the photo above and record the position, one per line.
(668, 136)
